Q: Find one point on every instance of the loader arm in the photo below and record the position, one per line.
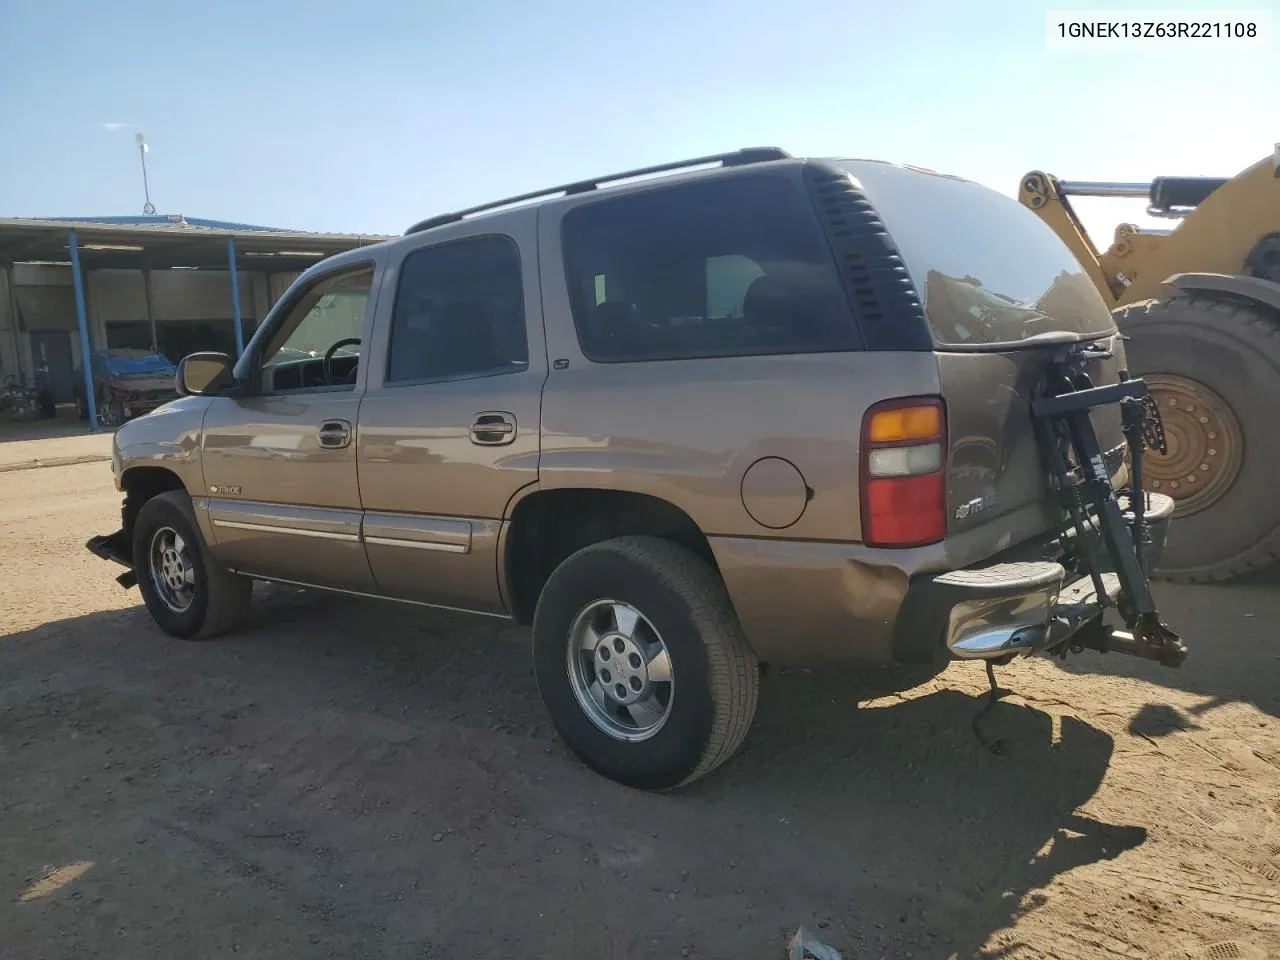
(1198, 304)
(1221, 234)
(1225, 226)
(1043, 195)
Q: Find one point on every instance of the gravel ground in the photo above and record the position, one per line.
(350, 779)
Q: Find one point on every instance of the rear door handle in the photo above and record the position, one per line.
(335, 434)
(493, 429)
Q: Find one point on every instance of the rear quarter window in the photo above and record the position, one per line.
(988, 270)
(732, 266)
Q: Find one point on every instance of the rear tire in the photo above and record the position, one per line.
(1233, 350)
(188, 593)
(682, 607)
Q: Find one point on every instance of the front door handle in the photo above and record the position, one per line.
(493, 429)
(335, 434)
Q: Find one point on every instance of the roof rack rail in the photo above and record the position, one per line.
(735, 158)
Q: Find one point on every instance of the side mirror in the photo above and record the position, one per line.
(204, 374)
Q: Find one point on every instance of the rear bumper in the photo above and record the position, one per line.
(1014, 604)
(809, 602)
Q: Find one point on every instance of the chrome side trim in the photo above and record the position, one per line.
(369, 596)
(417, 544)
(344, 522)
(295, 531)
(448, 534)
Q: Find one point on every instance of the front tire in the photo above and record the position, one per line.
(642, 664)
(187, 591)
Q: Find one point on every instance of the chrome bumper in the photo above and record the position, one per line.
(990, 628)
(1015, 606)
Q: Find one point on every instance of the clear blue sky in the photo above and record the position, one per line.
(364, 117)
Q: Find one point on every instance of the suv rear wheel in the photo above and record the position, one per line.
(642, 664)
(187, 591)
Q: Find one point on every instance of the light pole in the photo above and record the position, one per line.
(148, 208)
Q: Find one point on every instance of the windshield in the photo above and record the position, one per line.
(989, 270)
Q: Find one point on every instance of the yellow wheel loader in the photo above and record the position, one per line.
(1199, 305)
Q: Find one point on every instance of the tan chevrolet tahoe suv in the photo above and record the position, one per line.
(683, 421)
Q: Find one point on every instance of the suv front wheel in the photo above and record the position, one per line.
(187, 591)
(642, 664)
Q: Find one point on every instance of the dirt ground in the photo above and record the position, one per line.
(350, 779)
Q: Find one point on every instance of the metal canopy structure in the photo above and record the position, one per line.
(167, 244)
(162, 243)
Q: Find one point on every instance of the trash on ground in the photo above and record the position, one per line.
(803, 945)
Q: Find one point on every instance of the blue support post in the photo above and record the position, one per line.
(91, 402)
(151, 316)
(235, 295)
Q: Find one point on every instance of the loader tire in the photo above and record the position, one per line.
(1214, 368)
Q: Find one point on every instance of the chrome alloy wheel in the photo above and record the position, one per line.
(620, 670)
(172, 572)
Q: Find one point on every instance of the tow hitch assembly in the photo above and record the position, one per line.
(1110, 540)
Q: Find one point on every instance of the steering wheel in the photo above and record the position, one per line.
(327, 363)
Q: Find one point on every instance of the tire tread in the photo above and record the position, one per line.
(732, 669)
(228, 594)
(1257, 329)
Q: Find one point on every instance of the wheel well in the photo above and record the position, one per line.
(1258, 293)
(140, 484)
(547, 527)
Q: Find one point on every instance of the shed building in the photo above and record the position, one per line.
(173, 284)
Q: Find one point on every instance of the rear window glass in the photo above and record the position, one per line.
(727, 267)
(989, 270)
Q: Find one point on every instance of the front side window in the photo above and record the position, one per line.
(318, 345)
(459, 312)
(728, 267)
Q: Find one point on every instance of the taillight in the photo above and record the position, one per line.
(904, 480)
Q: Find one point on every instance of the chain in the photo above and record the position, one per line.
(1153, 426)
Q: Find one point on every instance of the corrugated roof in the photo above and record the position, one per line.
(174, 218)
(162, 242)
(180, 227)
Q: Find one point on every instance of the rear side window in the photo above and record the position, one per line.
(727, 267)
(459, 312)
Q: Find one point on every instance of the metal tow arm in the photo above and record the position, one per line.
(1063, 416)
